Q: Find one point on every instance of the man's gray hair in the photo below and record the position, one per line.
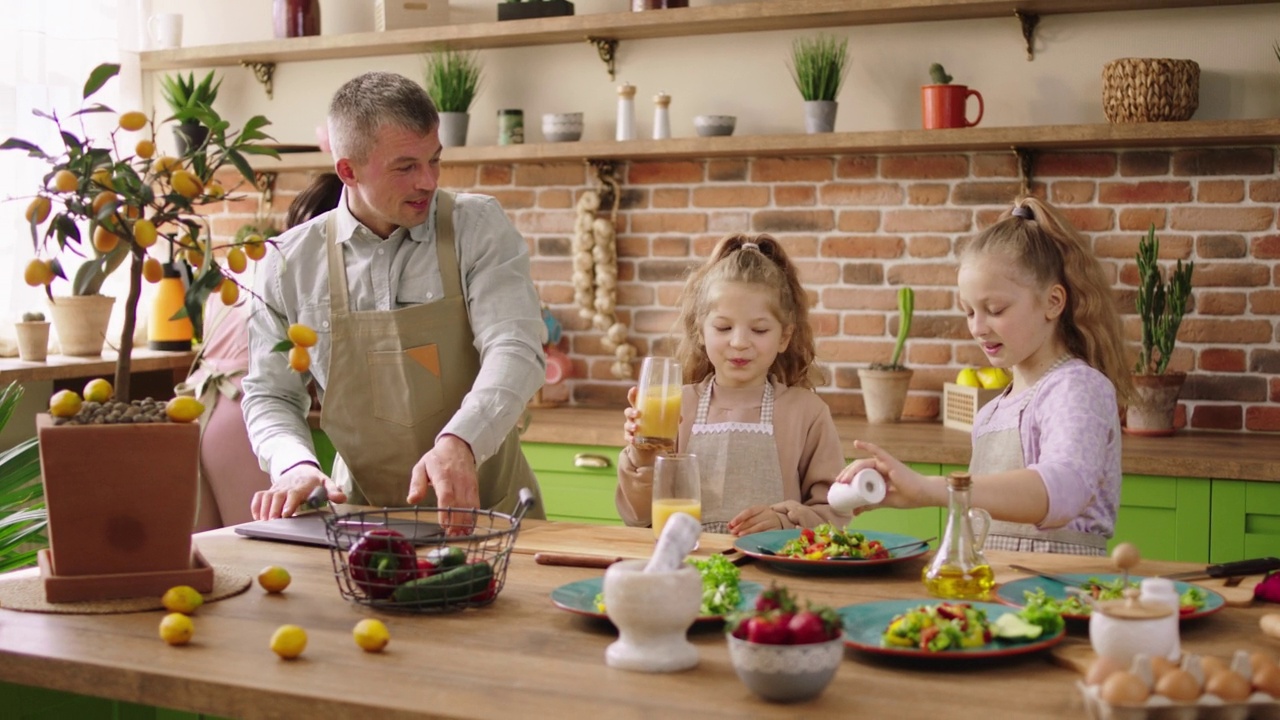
(367, 102)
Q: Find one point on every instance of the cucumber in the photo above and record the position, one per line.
(447, 556)
(451, 586)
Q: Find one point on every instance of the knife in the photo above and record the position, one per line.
(1239, 568)
(1068, 582)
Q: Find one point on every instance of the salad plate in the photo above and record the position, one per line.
(579, 597)
(865, 625)
(1014, 593)
(766, 546)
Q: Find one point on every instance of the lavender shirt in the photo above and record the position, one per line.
(1070, 435)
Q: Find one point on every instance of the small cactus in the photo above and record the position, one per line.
(939, 74)
(32, 317)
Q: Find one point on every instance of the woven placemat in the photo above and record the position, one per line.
(26, 593)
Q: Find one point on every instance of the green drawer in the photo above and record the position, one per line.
(1246, 520)
(573, 493)
(1167, 518)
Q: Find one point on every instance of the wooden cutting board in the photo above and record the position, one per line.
(604, 541)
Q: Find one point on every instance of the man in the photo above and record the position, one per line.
(430, 332)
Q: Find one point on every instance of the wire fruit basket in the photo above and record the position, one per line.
(402, 559)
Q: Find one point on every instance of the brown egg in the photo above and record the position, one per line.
(1178, 685)
(1227, 685)
(1266, 678)
(1258, 658)
(1102, 669)
(1125, 688)
(1213, 664)
(1160, 666)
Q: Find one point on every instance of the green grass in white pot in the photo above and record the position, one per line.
(452, 79)
(819, 66)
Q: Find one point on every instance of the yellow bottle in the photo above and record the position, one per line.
(959, 570)
(163, 331)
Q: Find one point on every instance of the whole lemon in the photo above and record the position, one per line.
(289, 641)
(182, 599)
(302, 335)
(229, 292)
(102, 200)
(152, 271)
(64, 404)
(145, 149)
(97, 390)
(215, 189)
(102, 178)
(132, 121)
(184, 409)
(371, 635)
(299, 359)
(254, 246)
(38, 210)
(65, 181)
(968, 377)
(186, 184)
(166, 163)
(38, 272)
(144, 233)
(236, 260)
(273, 578)
(994, 378)
(177, 629)
(104, 241)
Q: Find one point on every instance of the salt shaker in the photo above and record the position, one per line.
(661, 116)
(866, 488)
(626, 112)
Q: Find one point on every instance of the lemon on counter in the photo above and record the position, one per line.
(371, 635)
(289, 641)
(968, 377)
(182, 599)
(994, 378)
(176, 629)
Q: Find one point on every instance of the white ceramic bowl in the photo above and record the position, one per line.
(712, 125)
(786, 673)
(562, 127)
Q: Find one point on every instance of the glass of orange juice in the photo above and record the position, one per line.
(658, 399)
(676, 488)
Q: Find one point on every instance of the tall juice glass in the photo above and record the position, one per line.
(658, 398)
(677, 487)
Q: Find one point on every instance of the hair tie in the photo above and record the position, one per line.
(1024, 212)
(746, 245)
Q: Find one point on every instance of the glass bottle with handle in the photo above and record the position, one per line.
(959, 570)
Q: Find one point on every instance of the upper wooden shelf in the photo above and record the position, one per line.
(1036, 137)
(711, 20)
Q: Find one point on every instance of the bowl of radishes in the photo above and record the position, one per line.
(784, 653)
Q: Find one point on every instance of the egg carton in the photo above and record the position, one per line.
(1258, 706)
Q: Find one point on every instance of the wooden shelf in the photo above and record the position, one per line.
(66, 367)
(1035, 137)
(712, 20)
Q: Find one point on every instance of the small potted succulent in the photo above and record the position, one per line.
(186, 98)
(884, 385)
(943, 104)
(453, 81)
(33, 337)
(1161, 305)
(819, 66)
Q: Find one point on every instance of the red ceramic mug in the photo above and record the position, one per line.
(943, 106)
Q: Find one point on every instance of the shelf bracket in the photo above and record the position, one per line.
(263, 72)
(1029, 21)
(606, 47)
(266, 184)
(1026, 159)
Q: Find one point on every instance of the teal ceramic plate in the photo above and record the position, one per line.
(580, 597)
(865, 623)
(1013, 592)
(763, 545)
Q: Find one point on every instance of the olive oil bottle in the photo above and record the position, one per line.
(959, 571)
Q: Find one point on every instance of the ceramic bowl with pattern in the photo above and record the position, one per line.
(713, 125)
(562, 127)
(786, 673)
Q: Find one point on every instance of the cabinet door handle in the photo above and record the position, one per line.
(590, 460)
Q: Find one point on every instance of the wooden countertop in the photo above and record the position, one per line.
(1224, 456)
(521, 656)
(63, 367)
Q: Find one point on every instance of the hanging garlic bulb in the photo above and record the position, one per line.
(595, 280)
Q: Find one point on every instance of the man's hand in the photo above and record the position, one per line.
(290, 492)
(450, 468)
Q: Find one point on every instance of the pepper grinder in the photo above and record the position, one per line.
(626, 111)
(661, 116)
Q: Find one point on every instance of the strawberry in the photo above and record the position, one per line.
(775, 598)
(777, 620)
(767, 630)
(807, 627)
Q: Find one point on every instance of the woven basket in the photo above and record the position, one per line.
(1150, 89)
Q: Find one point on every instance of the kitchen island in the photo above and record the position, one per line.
(521, 657)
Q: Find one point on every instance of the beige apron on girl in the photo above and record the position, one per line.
(737, 461)
(396, 377)
(1001, 451)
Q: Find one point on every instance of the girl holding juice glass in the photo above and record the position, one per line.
(765, 443)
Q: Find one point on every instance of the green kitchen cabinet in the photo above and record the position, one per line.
(1166, 517)
(1246, 520)
(577, 481)
(32, 703)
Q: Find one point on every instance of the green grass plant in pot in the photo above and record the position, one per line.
(452, 79)
(884, 385)
(22, 513)
(186, 97)
(819, 66)
(1161, 305)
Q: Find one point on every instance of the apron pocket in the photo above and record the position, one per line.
(404, 391)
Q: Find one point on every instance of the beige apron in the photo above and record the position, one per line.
(738, 462)
(396, 377)
(1001, 451)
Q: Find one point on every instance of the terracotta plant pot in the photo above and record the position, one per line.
(121, 498)
(1154, 405)
(33, 340)
(943, 106)
(81, 322)
(884, 393)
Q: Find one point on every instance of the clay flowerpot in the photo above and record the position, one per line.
(1154, 404)
(122, 505)
(884, 393)
(944, 106)
(33, 340)
(81, 322)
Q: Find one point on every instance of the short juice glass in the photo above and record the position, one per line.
(658, 400)
(677, 487)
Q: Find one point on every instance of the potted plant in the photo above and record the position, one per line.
(453, 80)
(22, 513)
(522, 9)
(33, 337)
(884, 386)
(943, 104)
(1161, 305)
(186, 98)
(819, 66)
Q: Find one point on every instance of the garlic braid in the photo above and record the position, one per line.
(595, 279)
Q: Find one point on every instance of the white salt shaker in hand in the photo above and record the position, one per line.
(866, 488)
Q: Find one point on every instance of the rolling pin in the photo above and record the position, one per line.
(569, 560)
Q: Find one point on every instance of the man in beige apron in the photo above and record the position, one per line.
(1001, 451)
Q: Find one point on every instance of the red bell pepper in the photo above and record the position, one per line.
(380, 561)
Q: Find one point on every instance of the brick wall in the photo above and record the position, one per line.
(860, 226)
